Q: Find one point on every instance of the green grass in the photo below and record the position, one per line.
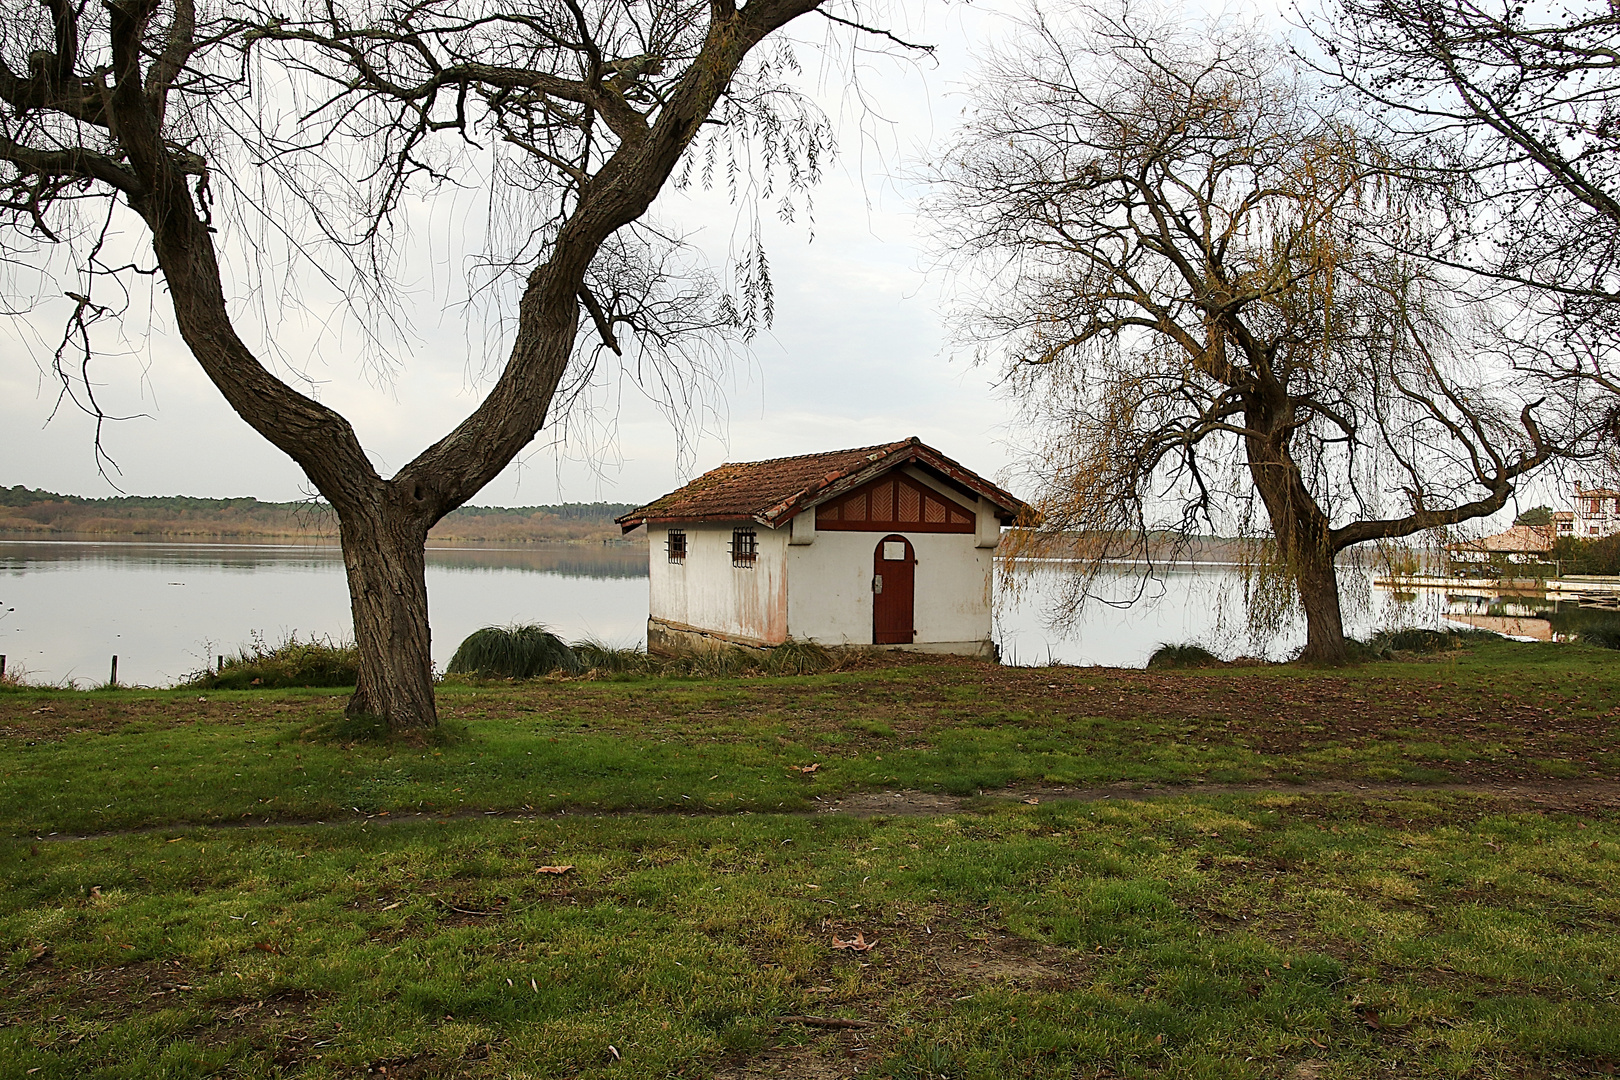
(1278, 934)
(89, 762)
(1197, 937)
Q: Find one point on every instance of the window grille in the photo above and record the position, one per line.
(744, 548)
(677, 545)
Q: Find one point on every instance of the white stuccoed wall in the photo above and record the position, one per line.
(814, 584)
(830, 594)
(708, 593)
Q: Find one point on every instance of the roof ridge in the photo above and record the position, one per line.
(776, 489)
(822, 453)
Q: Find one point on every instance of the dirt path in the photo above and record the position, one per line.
(1556, 795)
(1543, 794)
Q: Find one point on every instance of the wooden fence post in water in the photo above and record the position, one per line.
(219, 667)
(112, 680)
(2, 665)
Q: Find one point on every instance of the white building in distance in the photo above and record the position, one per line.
(888, 546)
(1597, 514)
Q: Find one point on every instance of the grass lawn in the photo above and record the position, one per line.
(385, 912)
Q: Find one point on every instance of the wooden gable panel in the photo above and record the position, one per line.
(895, 503)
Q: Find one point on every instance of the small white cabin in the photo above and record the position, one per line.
(889, 546)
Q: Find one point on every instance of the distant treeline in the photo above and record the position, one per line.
(30, 510)
(595, 511)
(1578, 556)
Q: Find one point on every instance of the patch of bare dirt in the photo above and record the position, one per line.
(1003, 958)
(823, 1060)
(867, 804)
(1559, 795)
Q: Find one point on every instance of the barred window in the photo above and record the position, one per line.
(744, 548)
(677, 545)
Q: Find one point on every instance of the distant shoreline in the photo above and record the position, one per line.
(27, 513)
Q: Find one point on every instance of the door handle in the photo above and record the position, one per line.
(877, 583)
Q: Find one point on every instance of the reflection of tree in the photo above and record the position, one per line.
(1161, 235)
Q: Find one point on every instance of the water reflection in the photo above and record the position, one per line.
(1200, 603)
(166, 608)
(568, 560)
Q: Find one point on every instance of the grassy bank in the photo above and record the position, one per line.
(88, 762)
(1295, 933)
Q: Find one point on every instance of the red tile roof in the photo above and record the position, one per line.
(1519, 538)
(773, 492)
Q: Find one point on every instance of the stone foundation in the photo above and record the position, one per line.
(669, 639)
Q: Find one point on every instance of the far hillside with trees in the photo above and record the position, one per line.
(30, 511)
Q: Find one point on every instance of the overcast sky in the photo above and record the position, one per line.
(857, 354)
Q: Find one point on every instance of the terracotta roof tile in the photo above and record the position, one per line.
(772, 492)
(1517, 538)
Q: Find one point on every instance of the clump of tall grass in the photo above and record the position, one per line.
(1590, 626)
(1413, 640)
(292, 663)
(1186, 655)
(513, 652)
(15, 677)
(789, 658)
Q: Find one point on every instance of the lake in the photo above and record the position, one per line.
(165, 609)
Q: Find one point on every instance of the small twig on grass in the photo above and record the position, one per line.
(465, 911)
(825, 1022)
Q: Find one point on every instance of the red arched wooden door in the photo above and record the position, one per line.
(893, 591)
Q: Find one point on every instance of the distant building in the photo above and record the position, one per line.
(1597, 513)
(1519, 545)
(881, 545)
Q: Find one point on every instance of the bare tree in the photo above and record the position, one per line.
(163, 111)
(1158, 231)
(1512, 113)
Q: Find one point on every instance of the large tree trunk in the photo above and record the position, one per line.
(385, 557)
(1303, 534)
(1318, 579)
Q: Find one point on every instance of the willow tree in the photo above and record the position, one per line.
(1508, 111)
(1173, 245)
(174, 118)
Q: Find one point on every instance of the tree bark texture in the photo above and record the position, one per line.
(1302, 532)
(384, 557)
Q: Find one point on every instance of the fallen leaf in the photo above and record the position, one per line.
(810, 768)
(856, 944)
(614, 1050)
(95, 892)
(1032, 800)
(265, 946)
(563, 869)
(37, 953)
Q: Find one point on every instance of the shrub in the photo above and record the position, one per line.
(316, 662)
(598, 656)
(1386, 644)
(1186, 655)
(790, 658)
(513, 652)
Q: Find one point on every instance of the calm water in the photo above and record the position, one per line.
(165, 608)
